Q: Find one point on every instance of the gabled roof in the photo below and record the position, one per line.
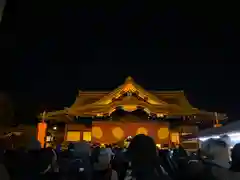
(61, 116)
(116, 98)
(153, 97)
(130, 86)
(173, 97)
(88, 97)
(94, 102)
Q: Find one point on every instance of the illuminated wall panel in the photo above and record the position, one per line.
(175, 138)
(73, 136)
(118, 133)
(113, 132)
(97, 132)
(163, 133)
(142, 130)
(87, 136)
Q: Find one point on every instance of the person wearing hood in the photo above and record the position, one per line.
(233, 173)
(218, 152)
(226, 139)
(101, 158)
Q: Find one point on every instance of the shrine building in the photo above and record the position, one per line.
(111, 116)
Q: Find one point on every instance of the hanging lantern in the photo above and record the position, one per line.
(42, 131)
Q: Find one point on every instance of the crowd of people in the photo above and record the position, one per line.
(140, 161)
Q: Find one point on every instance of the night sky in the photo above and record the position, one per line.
(49, 51)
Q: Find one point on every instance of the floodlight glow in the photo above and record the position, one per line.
(234, 134)
(209, 137)
(235, 138)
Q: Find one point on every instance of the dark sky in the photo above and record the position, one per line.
(50, 50)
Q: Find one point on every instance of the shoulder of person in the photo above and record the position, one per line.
(220, 173)
(196, 167)
(163, 170)
(114, 175)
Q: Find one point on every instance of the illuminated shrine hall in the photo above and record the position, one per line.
(111, 116)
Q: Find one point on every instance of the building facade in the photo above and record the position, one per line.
(111, 116)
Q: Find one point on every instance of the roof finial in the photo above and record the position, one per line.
(129, 78)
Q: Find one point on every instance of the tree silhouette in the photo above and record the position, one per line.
(6, 110)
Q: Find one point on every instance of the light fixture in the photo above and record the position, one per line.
(160, 115)
(54, 127)
(234, 137)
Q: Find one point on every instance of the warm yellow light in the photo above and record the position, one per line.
(87, 136)
(112, 110)
(107, 101)
(163, 133)
(142, 130)
(42, 132)
(160, 115)
(158, 145)
(129, 87)
(129, 108)
(126, 144)
(118, 133)
(73, 136)
(217, 125)
(97, 132)
(175, 138)
(147, 110)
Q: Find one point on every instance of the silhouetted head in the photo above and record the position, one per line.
(142, 151)
(34, 145)
(81, 149)
(101, 158)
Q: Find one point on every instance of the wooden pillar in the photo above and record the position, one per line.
(169, 140)
(65, 132)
